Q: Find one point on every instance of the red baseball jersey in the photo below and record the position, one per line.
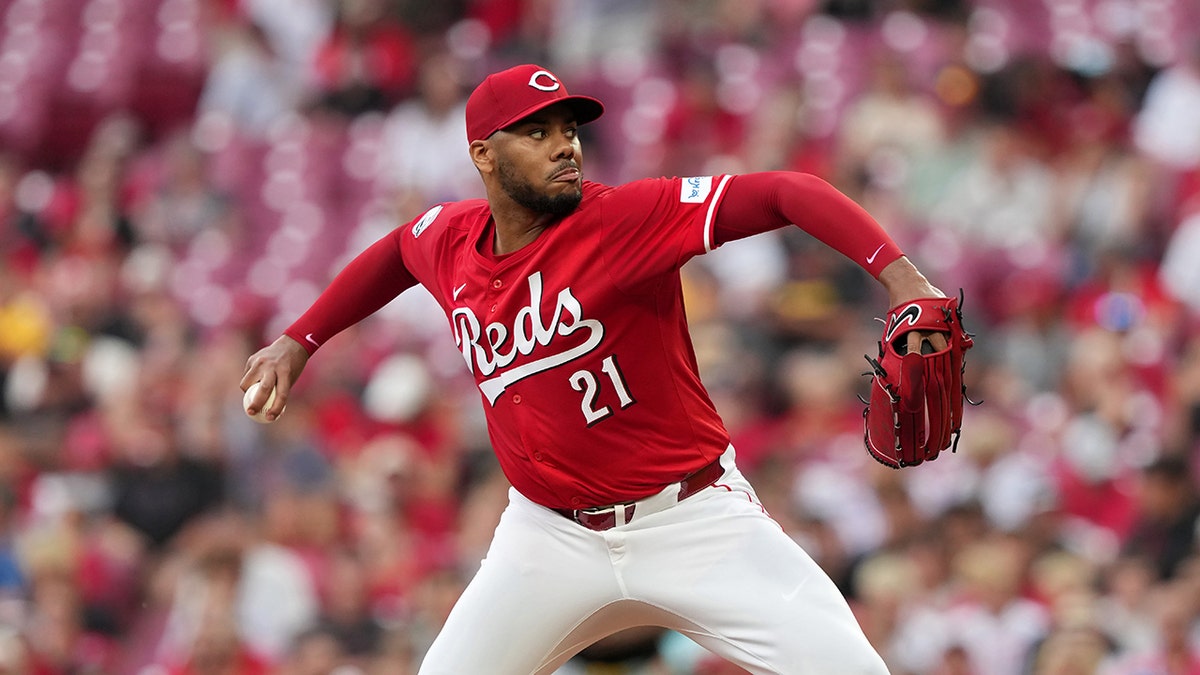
(578, 341)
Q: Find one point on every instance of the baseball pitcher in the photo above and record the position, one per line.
(627, 507)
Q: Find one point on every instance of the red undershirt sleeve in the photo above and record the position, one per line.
(373, 279)
(758, 202)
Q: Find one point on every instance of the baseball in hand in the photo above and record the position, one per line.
(248, 397)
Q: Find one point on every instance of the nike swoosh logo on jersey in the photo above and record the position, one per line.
(309, 337)
(871, 258)
(459, 290)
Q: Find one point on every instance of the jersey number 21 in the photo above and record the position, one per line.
(588, 383)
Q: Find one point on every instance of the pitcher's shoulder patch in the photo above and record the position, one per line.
(426, 220)
(694, 190)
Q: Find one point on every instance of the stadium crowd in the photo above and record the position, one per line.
(180, 178)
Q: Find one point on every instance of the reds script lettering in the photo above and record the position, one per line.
(484, 347)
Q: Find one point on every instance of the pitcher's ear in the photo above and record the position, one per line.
(483, 155)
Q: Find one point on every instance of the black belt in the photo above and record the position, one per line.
(602, 518)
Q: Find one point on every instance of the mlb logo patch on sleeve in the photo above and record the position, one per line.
(695, 190)
(426, 220)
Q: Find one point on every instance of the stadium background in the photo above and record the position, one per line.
(179, 179)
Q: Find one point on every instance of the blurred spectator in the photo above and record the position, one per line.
(1033, 96)
(368, 61)
(700, 130)
(977, 620)
(59, 640)
(202, 636)
(748, 274)
(347, 614)
(810, 290)
(432, 601)
(888, 585)
(278, 595)
(92, 218)
(424, 158)
(183, 203)
(586, 34)
(1167, 517)
(780, 134)
(247, 82)
(1174, 650)
(1001, 200)
(1033, 337)
(993, 622)
(295, 30)
(1165, 128)
(1075, 642)
(985, 216)
(1103, 198)
(157, 490)
(1015, 482)
(1102, 440)
(887, 126)
(1126, 611)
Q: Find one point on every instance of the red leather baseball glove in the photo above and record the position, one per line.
(916, 405)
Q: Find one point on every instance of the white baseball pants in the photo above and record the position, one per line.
(714, 567)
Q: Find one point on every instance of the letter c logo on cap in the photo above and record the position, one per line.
(543, 74)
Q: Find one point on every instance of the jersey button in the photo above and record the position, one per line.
(496, 283)
(516, 399)
(537, 456)
(576, 501)
(494, 307)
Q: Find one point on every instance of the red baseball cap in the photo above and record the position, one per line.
(511, 95)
